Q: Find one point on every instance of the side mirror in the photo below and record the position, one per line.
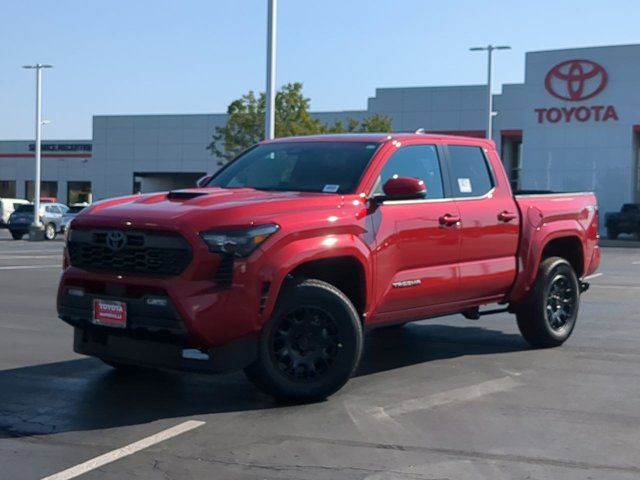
(404, 188)
(202, 181)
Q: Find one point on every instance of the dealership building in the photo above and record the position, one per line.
(573, 125)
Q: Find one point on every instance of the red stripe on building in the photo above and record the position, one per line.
(511, 133)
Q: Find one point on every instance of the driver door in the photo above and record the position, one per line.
(416, 251)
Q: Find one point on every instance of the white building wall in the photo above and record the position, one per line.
(591, 155)
(62, 168)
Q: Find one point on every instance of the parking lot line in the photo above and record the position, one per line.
(125, 451)
(637, 262)
(456, 395)
(593, 275)
(29, 267)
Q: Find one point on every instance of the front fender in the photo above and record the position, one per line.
(287, 258)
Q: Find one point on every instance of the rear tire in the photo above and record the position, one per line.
(50, 231)
(17, 235)
(548, 315)
(612, 233)
(311, 345)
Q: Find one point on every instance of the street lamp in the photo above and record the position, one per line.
(270, 117)
(489, 49)
(36, 228)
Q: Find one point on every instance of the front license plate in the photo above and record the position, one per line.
(110, 313)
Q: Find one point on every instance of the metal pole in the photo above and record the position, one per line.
(489, 49)
(36, 184)
(270, 121)
(489, 96)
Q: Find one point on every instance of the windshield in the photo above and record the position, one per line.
(24, 209)
(329, 167)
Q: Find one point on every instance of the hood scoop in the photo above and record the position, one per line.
(184, 194)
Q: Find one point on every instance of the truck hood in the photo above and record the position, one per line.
(210, 206)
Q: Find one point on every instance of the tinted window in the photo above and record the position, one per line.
(329, 167)
(417, 161)
(470, 176)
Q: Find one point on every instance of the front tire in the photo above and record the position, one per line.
(548, 315)
(17, 235)
(311, 345)
(50, 231)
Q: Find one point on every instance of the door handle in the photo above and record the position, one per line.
(448, 220)
(506, 216)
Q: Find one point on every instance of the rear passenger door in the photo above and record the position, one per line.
(489, 223)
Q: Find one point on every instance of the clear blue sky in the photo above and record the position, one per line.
(195, 56)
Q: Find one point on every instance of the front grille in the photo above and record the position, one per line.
(146, 253)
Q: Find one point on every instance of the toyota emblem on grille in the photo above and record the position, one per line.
(116, 240)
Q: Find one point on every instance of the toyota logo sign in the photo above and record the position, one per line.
(116, 240)
(576, 80)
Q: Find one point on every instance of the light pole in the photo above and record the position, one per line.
(270, 117)
(489, 49)
(36, 228)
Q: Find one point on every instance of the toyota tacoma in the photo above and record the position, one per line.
(280, 261)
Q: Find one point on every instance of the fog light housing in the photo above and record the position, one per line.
(75, 291)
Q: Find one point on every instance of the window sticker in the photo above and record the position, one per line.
(464, 185)
(330, 188)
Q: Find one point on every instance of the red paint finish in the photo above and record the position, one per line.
(417, 258)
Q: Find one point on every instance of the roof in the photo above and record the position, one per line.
(376, 138)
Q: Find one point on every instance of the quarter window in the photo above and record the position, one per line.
(416, 161)
(470, 175)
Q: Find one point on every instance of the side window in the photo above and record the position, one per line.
(470, 176)
(417, 161)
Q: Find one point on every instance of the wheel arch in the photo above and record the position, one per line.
(566, 242)
(346, 273)
(345, 265)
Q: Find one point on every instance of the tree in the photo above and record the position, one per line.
(245, 122)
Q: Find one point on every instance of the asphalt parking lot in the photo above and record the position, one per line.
(442, 399)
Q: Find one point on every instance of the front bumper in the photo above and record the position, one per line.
(143, 352)
(172, 323)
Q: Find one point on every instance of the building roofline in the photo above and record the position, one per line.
(584, 48)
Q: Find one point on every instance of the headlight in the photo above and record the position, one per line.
(240, 243)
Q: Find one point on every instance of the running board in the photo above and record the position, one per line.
(475, 313)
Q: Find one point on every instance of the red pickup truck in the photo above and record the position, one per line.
(281, 260)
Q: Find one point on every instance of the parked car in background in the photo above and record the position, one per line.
(74, 209)
(627, 220)
(7, 207)
(280, 261)
(50, 215)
